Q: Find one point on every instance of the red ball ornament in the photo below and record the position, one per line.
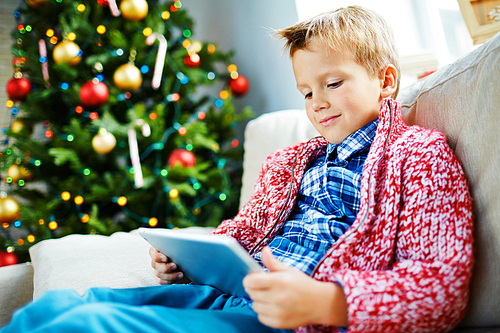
(93, 94)
(239, 86)
(103, 3)
(192, 60)
(182, 156)
(7, 259)
(18, 89)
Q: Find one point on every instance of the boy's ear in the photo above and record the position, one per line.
(388, 81)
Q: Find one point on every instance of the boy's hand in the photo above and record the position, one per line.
(288, 298)
(166, 271)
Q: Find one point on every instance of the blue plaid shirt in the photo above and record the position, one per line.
(327, 203)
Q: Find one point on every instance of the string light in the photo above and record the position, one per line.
(71, 36)
(65, 196)
(52, 225)
(224, 94)
(147, 31)
(201, 115)
(174, 193)
(78, 200)
(101, 29)
(85, 218)
(81, 8)
(31, 238)
(49, 33)
(153, 221)
(235, 143)
(41, 222)
(182, 131)
(165, 15)
(20, 242)
(121, 201)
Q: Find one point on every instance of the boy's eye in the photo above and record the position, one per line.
(308, 95)
(335, 84)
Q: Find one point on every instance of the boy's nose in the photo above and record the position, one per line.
(319, 102)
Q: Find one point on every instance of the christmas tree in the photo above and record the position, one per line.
(120, 119)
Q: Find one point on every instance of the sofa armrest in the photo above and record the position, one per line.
(16, 289)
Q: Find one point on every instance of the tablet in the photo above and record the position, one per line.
(214, 260)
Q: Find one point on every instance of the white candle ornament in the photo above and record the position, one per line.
(160, 57)
(134, 157)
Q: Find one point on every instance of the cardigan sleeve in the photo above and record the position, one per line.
(425, 287)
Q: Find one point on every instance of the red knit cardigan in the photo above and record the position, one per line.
(405, 263)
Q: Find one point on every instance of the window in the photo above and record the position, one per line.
(429, 34)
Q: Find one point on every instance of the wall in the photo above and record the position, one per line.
(246, 27)
(7, 22)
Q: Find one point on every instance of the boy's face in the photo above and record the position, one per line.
(340, 95)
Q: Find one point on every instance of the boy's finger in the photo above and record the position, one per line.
(273, 264)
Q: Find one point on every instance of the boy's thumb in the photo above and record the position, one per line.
(273, 264)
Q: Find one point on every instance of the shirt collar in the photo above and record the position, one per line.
(355, 142)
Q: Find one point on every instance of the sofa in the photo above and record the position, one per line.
(461, 100)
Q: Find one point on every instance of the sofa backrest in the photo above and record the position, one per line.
(266, 134)
(461, 100)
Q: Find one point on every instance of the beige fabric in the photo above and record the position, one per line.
(266, 134)
(80, 262)
(83, 261)
(463, 101)
(16, 289)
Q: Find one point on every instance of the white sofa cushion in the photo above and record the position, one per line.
(463, 101)
(266, 134)
(82, 261)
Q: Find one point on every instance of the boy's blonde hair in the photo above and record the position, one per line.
(361, 31)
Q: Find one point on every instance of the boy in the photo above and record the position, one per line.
(367, 227)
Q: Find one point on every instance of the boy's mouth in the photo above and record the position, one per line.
(325, 121)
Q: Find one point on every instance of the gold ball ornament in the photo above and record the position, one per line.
(67, 52)
(128, 77)
(103, 142)
(9, 210)
(18, 172)
(134, 10)
(36, 3)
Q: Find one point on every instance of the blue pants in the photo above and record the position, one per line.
(174, 308)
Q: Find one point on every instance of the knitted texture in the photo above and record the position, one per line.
(405, 264)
